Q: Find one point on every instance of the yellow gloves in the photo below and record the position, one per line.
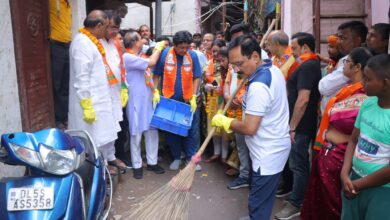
(156, 97)
(193, 103)
(220, 120)
(160, 46)
(124, 97)
(89, 113)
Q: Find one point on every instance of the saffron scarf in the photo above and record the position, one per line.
(344, 93)
(306, 57)
(147, 74)
(209, 74)
(121, 64)
(110, 75)
(170, 71)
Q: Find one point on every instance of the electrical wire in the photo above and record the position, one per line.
(209, 13)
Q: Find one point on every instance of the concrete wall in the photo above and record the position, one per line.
(176, 16)
(379, 12)
(297, 16)
(78, 15)
(10, 117)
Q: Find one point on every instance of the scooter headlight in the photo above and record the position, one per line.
(27, 155)
(59, 162)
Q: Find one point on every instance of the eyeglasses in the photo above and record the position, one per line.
(238, 64)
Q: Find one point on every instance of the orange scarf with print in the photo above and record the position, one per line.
(170, 71)
(121, 64)
(344, 93)
(147, 74)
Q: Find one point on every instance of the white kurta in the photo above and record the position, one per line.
(88, 80)
(113, 60)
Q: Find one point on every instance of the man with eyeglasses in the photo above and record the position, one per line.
(264, 123)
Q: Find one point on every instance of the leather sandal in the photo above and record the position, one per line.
(112, 170)
(212, 159)
(119, 164)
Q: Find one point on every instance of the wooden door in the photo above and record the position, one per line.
(30, 23)
(329, 14)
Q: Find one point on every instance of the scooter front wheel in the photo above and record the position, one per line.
(109, 194)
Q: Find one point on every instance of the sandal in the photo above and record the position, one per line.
(119, 164)
(212, 159)
(112, 170)
(232, 172)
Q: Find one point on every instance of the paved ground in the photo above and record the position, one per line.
(210, 199)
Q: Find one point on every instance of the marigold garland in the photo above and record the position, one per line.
(94, 40)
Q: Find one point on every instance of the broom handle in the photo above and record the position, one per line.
(229, 102)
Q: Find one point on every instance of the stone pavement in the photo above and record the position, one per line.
(210, 199)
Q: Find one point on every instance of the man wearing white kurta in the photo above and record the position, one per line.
(90, 103)
(113, 51)
(139, 108)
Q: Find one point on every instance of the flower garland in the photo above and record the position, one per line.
(110, 75)
(94, 40)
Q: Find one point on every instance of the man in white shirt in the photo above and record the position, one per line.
(265, 124)
(112, 47)
(350, 35)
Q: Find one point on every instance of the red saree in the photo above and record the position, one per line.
(323, 195)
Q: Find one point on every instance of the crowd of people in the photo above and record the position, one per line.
(309, 128)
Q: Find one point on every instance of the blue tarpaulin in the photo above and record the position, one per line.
(270, 7)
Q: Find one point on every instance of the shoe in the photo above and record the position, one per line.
(61, 125)
(289, 211)
(238, 183)
(138, 173)
(282, 193)
(155, 168)
(198, 167)
(175, 165)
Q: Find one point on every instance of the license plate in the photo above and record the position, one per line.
(32, 198)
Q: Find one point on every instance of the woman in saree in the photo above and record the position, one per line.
(323, 194)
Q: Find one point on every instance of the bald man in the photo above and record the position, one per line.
(207, 44)
(281, 52)
(90, 103)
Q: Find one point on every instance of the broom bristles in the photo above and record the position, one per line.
(169, 202)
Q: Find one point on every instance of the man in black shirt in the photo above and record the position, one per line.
(303, 98)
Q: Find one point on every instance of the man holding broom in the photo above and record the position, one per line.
(265, 123)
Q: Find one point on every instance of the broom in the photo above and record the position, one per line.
(171, 201)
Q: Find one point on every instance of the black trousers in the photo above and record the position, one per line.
(59, 55)
(122, 144)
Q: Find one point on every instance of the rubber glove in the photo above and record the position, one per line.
(220, 120)
(160, 46)
(193, 103)
(124, 97)
(89, 112)
(156, 97)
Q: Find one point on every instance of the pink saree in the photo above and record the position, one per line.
(323, 195)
